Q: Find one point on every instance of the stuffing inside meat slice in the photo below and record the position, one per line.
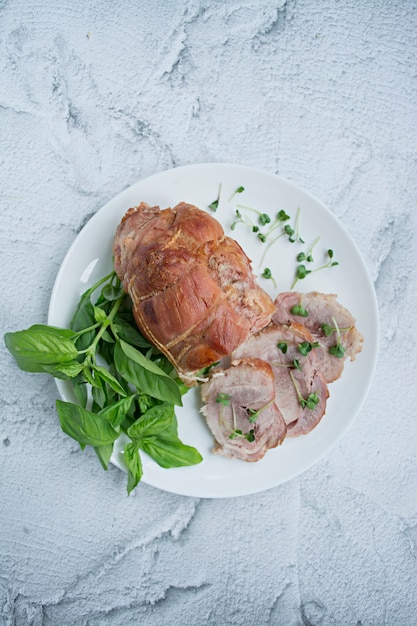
(193, 291)
(240, 409)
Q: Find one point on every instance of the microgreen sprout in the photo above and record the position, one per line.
(283, 346)
(302, 271)
(337, 350)
(308, 256)
(213, 206)
(298, 309)
(243, 219)
(311, 402)
(286, 230)
(312, 399)
(328, 330)
(268, 275)
(223, 399)
(250, 436)
(253, 414)
(306, 346)
(240, 189)
(263, 218)
(293, 233)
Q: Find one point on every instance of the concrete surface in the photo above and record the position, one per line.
(96, 95)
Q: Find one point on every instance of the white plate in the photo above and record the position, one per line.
(90, 258)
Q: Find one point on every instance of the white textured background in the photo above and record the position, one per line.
(96, 95)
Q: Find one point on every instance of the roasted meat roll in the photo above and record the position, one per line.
(193, 291)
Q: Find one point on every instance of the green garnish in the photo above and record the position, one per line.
(299, 310)
(306, 346)
(134, 388)
(328, 330)
(282, 216)
(268, 275)
(287, 230)
(311, 402)
(312, 399)
(213, 206)
(223, 398)
(301, 270)
(250, 436)
(253, 414)
(283, 346)
(337, 350)
(264, 219)
(243, 219)
(240, 189)
(308, 256)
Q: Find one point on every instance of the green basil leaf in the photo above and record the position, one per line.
(106, 350)
(90, 378)
(84, 426)
(145, 402)
(105, 375)
(83, 318)
(104, 454)
(154, 421)
(59, 332)
(111, 292)
(170, 452)
(134, 466)
(129, 333)
(27, 365)
(139, 358)
(80, 389)
(100, 316)
(34, 347)
(147, 377)
(99, 397)
(64, 371)
(116, 413)
(106, 336)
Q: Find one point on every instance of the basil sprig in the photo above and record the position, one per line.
(121, 382)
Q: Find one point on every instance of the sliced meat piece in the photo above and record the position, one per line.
(193, 291)
(300, 389)
(240, 409)
(325, 315)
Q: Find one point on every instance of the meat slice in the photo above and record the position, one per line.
(300, 389)
(326, 316)
(193, 291)
(240, 409)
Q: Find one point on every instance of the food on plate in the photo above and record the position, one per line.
(193, 291)
(263, 366)
(240, 410)
(330, 323)
(300, 389)
(305, 345)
